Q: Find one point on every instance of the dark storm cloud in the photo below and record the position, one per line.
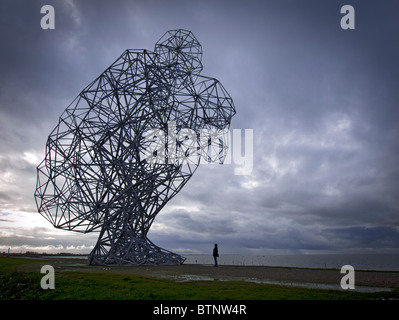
(364, 237)
(322, 103)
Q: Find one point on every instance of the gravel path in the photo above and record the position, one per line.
(362, 278)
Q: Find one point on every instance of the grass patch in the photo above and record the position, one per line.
(77, 285)
(8, 264)
(105, 286)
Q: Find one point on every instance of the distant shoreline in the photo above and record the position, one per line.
(364, 262)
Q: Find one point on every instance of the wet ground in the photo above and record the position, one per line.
(366, 281)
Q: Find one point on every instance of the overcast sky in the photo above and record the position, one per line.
(323, 104)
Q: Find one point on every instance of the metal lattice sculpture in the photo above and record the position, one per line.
(100, 173)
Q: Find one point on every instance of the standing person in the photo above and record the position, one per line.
(216, 254)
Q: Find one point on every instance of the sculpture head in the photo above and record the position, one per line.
(179, 51)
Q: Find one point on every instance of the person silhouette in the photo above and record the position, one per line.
(216, 254)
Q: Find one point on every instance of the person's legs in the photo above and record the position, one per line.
(216, 261)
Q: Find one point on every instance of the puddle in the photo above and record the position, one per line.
(187, 277)
(326, 286)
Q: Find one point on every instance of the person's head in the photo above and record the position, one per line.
(216, 244)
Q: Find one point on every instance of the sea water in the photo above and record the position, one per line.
(382, 262)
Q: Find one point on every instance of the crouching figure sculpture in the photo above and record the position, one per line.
(107, 170)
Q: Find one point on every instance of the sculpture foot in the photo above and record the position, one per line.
(138, 251)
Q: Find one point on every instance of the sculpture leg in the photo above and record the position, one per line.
(127, 246)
